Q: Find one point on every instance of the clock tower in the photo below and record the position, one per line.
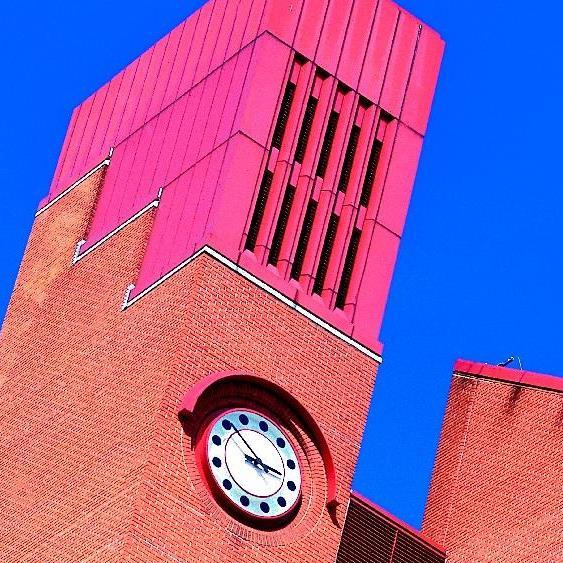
(190, 350)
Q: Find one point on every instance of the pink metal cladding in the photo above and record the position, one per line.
(192, 124)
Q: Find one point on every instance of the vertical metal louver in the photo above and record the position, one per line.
(325, 254)
(282, 224)
(327, 144)
(283, 115)
(349, 159)
(305, 129)
(370, 172)
(304, 239)
(348, 268)
(408, 550)
(365, 539)
(369, 536)
(259, 208)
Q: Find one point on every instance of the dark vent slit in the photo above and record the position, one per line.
(258, 214)
(325, 254)
(283, 116)
(303, 239)
(349, 159)
(370, 172)
(305, 129)
(281, 226)
(327, 144)
(348, 269)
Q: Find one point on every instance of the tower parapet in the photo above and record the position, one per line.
(283, 136)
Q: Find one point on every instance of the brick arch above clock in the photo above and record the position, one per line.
(194, 395)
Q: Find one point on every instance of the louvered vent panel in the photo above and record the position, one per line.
(365, 538)
(283, 116)
(370, 172)
(282, 224)
(325, 254)
(259, 210)
(348, 269)
(371, 536)
(303, 239)
(327, 144)
(410, 550)
(349, 159)
(305, 129)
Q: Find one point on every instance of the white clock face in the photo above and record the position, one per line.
(254, 464)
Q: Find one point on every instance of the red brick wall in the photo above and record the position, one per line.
(496, 493)
(94, 462)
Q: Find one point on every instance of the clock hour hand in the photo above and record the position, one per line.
(257, 461)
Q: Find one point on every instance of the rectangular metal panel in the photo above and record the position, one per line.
(422, 83)
(164, 74)
(333, 33)
(400, 63)
(100, 145)
(281, 18)
(355, 44)
(234, 197)
(374, 284)
(378, 50)
(260, 96)
(210, 43)
(224, 34)
(310, 27)
(179, 63)
(400, 179)
(121, 102)
(142, 115)
(134, 99)
(82, 120)
(197, 43)
(56, 186)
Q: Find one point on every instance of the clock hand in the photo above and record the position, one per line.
(267, 468)
(256, 458)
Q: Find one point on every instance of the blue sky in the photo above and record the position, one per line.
(480, 271)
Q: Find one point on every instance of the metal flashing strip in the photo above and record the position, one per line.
(77, 256)
(259, 283)
(104, 162)
(494, 380)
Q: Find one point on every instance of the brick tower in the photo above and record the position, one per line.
(189, 353)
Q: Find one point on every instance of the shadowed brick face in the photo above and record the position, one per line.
(496, 493)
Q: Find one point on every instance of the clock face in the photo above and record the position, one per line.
(254, 464)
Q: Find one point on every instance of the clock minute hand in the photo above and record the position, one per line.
(256, 458)
(266, 467)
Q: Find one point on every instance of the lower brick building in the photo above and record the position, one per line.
(497, 489)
